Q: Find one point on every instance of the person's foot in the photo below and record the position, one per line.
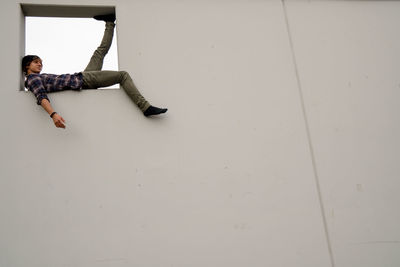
(107, 17)
(154, 111)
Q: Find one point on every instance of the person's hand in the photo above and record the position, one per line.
(59, 121)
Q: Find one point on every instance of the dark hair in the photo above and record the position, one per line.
(26, 61)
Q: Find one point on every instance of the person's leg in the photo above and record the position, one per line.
(95, 79)
(96, 61)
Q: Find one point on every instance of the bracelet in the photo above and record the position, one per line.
(52, 114)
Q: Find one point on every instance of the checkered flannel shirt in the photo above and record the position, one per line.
(41, 84)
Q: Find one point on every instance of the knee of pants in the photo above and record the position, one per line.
(124, 75)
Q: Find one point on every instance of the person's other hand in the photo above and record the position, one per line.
(59, 121)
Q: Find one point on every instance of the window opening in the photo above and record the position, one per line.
(66, 44)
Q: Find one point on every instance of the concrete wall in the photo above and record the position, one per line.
(280, 146)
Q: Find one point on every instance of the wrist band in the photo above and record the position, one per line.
(52, 114)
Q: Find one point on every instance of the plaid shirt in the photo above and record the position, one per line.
(41, 84)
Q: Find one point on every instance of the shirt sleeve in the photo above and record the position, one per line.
(35, 84)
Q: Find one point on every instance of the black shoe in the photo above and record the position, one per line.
(107, 17)
(154, 111)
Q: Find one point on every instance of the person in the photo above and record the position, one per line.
(92, 77)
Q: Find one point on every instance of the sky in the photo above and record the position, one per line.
(66, 44)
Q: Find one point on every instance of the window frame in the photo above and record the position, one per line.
(59, 11)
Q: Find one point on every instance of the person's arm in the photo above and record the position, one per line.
(59, 121)
(35, 85)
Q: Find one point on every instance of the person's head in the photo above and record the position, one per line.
(31, 64)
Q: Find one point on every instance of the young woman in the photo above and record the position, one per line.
(91, 78)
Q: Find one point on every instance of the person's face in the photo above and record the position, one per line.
(35, 66)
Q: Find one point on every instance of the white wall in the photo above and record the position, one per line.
(279, 147)
(349, 68)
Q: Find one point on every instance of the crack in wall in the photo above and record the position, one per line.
(311, 148)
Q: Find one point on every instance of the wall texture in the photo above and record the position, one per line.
(280, 146)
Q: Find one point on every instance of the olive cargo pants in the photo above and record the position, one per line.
(94, 77)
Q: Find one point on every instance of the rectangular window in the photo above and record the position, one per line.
(65, 37)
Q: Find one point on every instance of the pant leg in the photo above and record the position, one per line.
(95, 79)
(96, 61)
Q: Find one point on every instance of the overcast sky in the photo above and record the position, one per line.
(66, 44)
